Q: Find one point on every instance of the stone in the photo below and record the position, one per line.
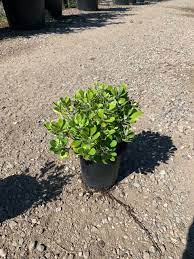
(59, 209)
(152, 249)
(181, 129)
(71, 256)
(136, 185)
(34, 221)
(3, 253)
(48, 255)
(41, 248)
(104, 221)
(109, 219)
(101, 243)
(80, 254)
(146, 255)
(94, 229)
(21, 241)
(162, 173)
(12, 224)
(32, 245)
(86, 254)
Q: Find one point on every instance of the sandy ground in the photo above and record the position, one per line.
(44, 210)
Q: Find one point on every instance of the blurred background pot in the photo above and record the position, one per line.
(87, 5)
(55, 7)
(25, 14)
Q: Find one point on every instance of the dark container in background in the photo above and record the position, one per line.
(25, 14)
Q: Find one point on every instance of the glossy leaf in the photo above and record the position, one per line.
(113, 143)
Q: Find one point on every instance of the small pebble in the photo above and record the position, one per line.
(86, 255)
(3, 253)
(71, 256)
(101, 243)
(59, 209)
(41, 248)
(152, 249)
(146, 255)
(80, 254)
(32, 245)
(136, 185)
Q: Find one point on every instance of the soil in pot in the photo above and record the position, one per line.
(25, 14)
(87, 5)
(55, 7)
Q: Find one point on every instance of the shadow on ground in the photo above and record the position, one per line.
(189, 251)
(20, 192)
(72, 23)
(145, 152)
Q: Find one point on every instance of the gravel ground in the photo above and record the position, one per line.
(45, 212)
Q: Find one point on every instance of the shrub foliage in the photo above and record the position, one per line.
(93, 122)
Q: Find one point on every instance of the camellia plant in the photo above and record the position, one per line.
(93, 123)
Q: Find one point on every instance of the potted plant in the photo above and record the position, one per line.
(25, 14)
(94, 124)
(54, 7)
(121, 2)
(87, 5)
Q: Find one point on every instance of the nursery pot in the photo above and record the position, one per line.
(25, 14)
(87, 5)
(54, 7)
(121, 2)
(139, 2)
(99, 175)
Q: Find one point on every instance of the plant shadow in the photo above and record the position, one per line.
(20, 192)
(71, 23)
(145, 152)
(189, 250)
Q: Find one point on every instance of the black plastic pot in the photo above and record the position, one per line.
(87, 5)
(140, 2)
(54, 7)
(99, 175)
(121, 2)
(25, 14)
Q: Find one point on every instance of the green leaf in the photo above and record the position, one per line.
(75, 143)
(79, 94)
(60, 123)
(110, 132)
(48, 126)
(113, 143)
(96, 136)
(86, 146)
(112, 159)
(64, 154)
(122, 101)
(135, 116)
(90, 94)
(111, 119)
(53, 143)
(92, 152)
(114, 154)
(101, 113)
(93, 130)
(112, 105)
(78, 118)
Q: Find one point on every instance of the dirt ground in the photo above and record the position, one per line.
(45, 212)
